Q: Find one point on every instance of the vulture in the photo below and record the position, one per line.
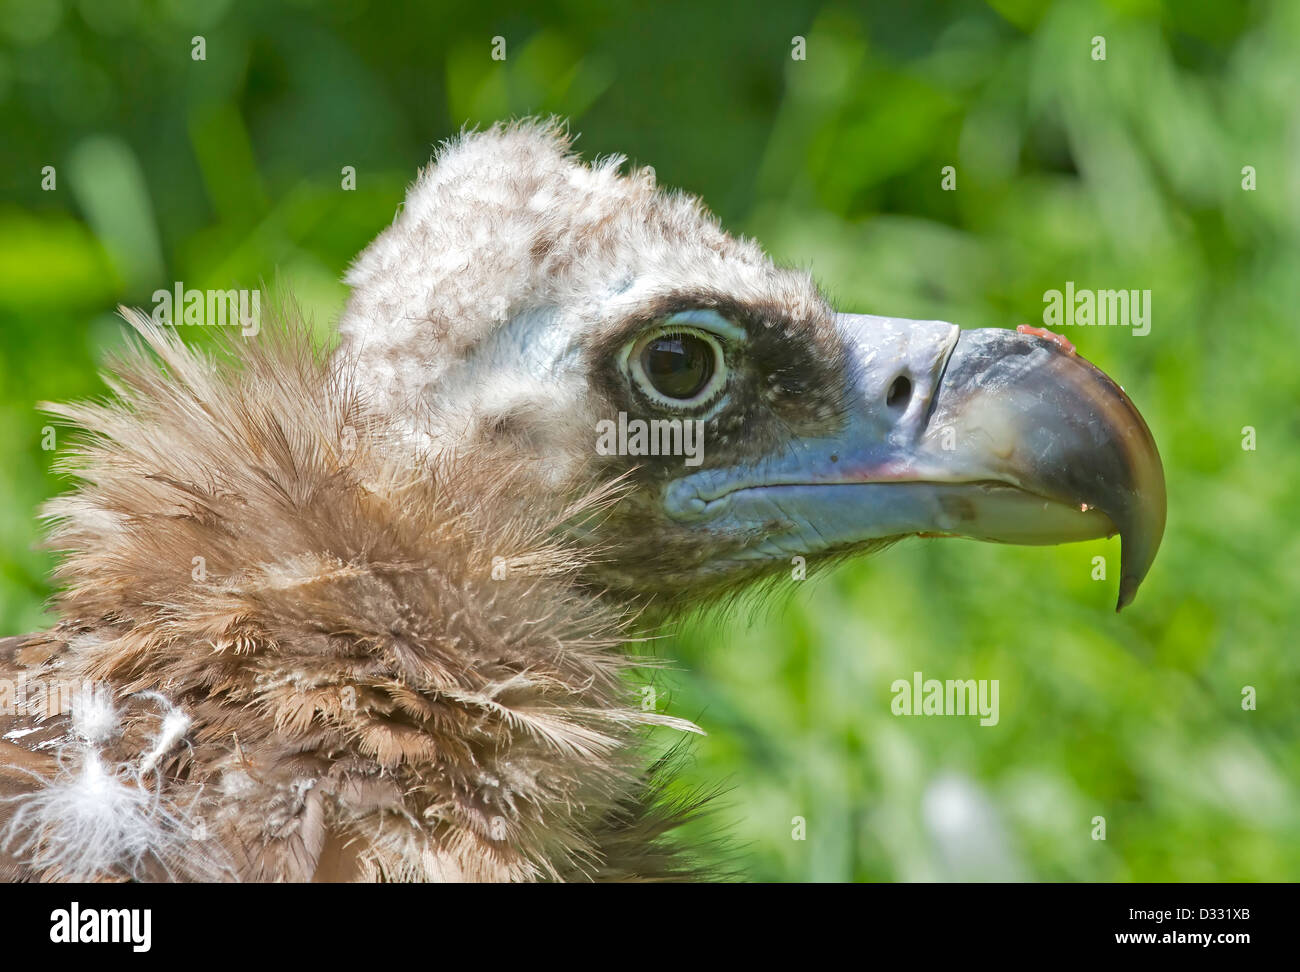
(369, 613)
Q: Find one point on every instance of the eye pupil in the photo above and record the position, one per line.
(678, 365)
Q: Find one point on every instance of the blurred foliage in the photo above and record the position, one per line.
(1123, 173)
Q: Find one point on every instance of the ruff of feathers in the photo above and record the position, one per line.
(379, 662)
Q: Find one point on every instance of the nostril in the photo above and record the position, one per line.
(900, 392)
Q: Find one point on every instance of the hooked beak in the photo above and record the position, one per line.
(990, 434)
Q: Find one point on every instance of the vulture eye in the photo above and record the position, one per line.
(678, 367)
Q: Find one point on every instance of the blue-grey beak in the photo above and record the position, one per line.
(990, 434)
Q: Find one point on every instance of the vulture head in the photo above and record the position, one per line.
(592, 322)
(280, 597)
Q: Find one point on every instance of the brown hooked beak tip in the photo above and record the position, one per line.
(1031, 413)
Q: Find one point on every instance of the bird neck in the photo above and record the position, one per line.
(376, 650)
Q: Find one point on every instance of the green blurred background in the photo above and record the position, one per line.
(1123, 173)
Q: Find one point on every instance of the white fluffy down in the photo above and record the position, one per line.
(95, 720)
(97, 820)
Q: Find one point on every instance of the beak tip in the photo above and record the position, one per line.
(1136, 556)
